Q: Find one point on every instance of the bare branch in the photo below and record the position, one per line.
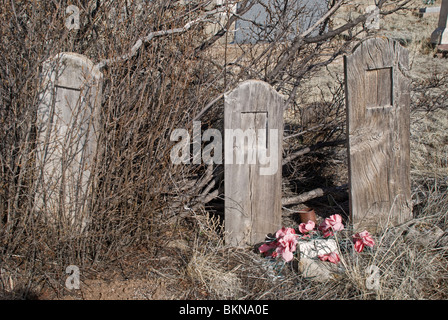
(134, 50)
(313, 194)
(306, 150)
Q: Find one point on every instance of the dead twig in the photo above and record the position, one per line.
(313, 194)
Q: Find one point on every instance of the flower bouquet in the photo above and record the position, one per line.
(312, 242)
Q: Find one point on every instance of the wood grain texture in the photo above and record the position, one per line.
(378, 123)
(252, 200)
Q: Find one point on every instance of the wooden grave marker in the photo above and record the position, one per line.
(440, 35)
(253, 125)
(67, 134)
(378, 124)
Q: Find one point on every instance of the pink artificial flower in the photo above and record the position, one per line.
(284, 245)
(287, 241)
(265, 248)
(332, 257)
(284, 231)
(306, 236)
(306, 228)
(362, 239)
(335, 221)
(331, 224)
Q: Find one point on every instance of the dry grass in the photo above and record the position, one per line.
(408, 267)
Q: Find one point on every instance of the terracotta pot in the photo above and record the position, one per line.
(307, 215)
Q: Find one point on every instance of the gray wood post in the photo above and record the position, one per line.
(378, 123)
(253, 125)
(440, 35)
(67, 133)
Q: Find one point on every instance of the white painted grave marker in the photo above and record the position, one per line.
(67, 124)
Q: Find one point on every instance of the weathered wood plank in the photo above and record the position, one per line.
(378, 122)
(252, 185)
(67, 122)
(440, 34)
